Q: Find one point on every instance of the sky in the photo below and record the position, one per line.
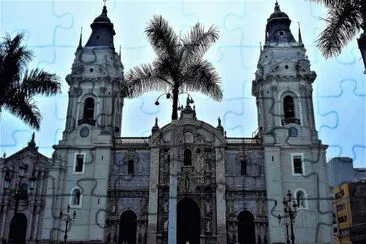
(52, 30)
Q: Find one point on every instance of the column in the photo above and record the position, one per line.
(172, 220)
(220, 195)
(153, 196)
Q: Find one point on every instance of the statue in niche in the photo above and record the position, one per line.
(165, 225)
(208, 205)
(165, 206)
(208, 226)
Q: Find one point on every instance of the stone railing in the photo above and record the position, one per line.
(132, 140)
(243, 140)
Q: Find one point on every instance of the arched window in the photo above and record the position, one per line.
(75, 200)
(187, 157)
(301, 199)
(289, 107)
(89, 109)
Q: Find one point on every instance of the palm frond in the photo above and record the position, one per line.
(162, 38)
(343, 23)
(202, 77)
(13, 60)
(198, 41)
(38, 81)
(142, 79)
(25, 109)
(329, 3)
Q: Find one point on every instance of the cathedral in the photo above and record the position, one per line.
(185, 183)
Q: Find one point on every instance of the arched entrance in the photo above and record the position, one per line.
(127, 228)
(18, 229)
(188, 222)
(246, 231)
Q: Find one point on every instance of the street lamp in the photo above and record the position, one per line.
(288, 219)
(67, 218)
(169, 96)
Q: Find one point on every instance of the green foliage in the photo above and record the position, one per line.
(18, 85)
(179, 65)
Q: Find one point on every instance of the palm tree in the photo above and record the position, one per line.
(345, 19)
(179, 66)
(18, 85)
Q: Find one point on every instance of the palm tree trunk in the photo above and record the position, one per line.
(175, 92)
(363, 13)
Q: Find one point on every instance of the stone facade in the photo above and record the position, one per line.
(188, 182)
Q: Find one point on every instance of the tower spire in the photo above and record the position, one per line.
(277, 7)
(81, 38)
(300, 38)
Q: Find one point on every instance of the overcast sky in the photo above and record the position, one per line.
(52, 31)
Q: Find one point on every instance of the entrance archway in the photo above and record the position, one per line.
(246, 230)
(127, 228)
(18, 229)
(188, 222)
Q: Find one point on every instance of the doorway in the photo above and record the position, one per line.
(188, 222)
(246, 230)
(127, 228)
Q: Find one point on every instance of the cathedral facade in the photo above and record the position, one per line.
(185, 183)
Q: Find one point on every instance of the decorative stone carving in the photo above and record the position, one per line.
(188, 137)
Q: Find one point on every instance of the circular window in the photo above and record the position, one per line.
(282, 33)
(286, 66)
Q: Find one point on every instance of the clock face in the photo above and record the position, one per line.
(84, 132)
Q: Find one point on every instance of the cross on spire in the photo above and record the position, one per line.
(104, 2)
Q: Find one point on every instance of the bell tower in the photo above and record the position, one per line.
(294, 156)
(82, 158)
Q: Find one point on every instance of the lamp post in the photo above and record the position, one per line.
(288, 219)
(67, 218)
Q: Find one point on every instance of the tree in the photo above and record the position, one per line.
(179, 65)
(345, 19)
(18, 85)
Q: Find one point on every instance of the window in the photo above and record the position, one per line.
(75, 200)
(89, 109)
(342, 219)
(341, 207)
(297, 165)
(301, 199)
(131, 169)
(243, 167)
(339, 194)
(79, 163)
(289, 107)
(187, 157)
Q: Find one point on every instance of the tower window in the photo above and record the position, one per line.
(130, 167)
(289, 107)
(301, 199)
(89, 109)
(79, 163)
(297, 164)
(243, 167)
(75, 197)
(187, 157)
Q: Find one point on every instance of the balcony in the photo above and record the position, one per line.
(290, 121)
(86, 121)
